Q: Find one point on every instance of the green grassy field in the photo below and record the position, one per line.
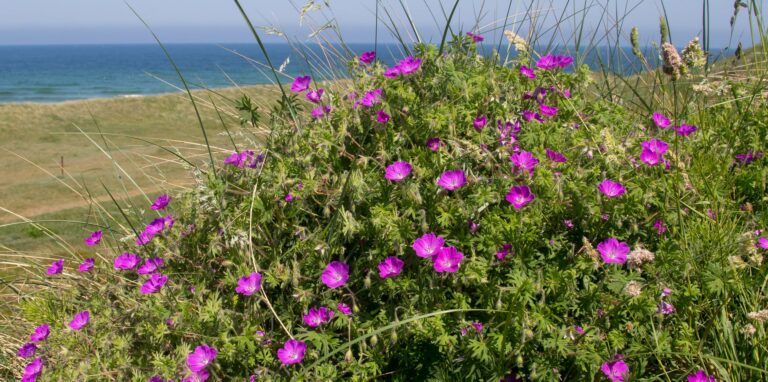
(104, 143)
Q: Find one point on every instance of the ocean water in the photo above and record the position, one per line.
(57, 73)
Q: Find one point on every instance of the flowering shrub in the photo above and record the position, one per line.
(450, 218)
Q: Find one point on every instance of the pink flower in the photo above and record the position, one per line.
(393, 72)
(371, 98)
(317, 316)
(428, 245)
(700, 376)
(292, 352)
(390, 267)
(525, 161)
(248, 285)
(653, 151)
(556, 157)
(661, 120)
(520, 196)
(528, 72)
(314, 96)
(151, 266)
(409, 65)
(344, 309)
(367, 57)
(615, 371)
(161, 202)
(475, 37)
(154, 284)
(382, 117)
(660, 226)
(27, 350)
(505, 251)
(665, 308)
(86, 265)
(613, 251)
(94, 239)
(127, 261)
(56, 267)
(480, 122)
(201, 357)
(550, 62)
(762, 243)
(40, 334)
(335, 274)
(80, 320)
(611, 189)
(33, 370)
(397, 171)
(452, 180)
(685, 130)
(301, 84)
(548, 111)
(434, 144)
(447, 260)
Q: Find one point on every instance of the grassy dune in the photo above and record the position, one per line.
(86, 133)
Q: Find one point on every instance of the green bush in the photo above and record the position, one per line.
(533, 296)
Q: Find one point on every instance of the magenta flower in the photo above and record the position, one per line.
(56, 267)
(615, 371)
(428, 245)
(685, 130)
(762, 243)
(666, 292)
(161, 202)
(40, 334)
(409, 65)
(318, 316)
(397, 171)
(335, 274)
(33, 370)
(94, 239)
(447, 260)
(382, 117)
(452, 180)
(27, 350)
(151, 266)
(390, 267)
(665, 308)
(317, 113)
(248, 285)
(371, 98)
(393, 72)
(525, 161)
(314, 96)
(529, 116)
(301, 84)
(613, 251)
(700, 376)
(80, 320)
(653, 150)
(748, 157)
(528, 72)
(550, 62)
(520, 196)
(292, 352)
(659, 226)
(201, 357)
(344, 309)
(505, 251)
(548, 111)
(611, 189)
(289, 197)
(475, 37)
(556, 157)
(367, 57)
(127, 261)
(661, 120)
(154, 283)
(579, 330)
(480, 122)
(434, 143)
(86, 265)
(198, 376)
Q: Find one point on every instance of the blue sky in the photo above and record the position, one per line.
(185, 21)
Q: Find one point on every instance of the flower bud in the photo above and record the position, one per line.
(374, 340)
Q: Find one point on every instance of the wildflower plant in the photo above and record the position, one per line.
(452, 218)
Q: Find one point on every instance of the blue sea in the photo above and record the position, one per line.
(57, 73)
